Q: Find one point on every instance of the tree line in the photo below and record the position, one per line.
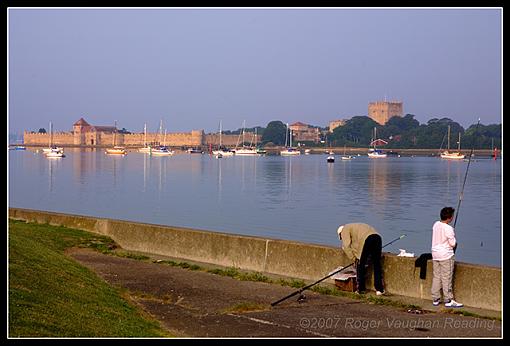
(400, 133)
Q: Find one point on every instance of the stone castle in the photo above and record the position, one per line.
(84, 134)
(382, 111)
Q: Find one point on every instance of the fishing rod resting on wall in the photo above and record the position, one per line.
(329, 275)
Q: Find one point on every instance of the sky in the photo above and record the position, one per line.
(192, 68)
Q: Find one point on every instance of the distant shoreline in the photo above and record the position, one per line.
(313, 150)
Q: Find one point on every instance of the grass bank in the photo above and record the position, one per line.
(50, 295)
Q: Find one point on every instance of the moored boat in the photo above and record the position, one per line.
(116, 151)
(452, 155)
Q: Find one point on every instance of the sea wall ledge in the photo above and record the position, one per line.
(477, 286)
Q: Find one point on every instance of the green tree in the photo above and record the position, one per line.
(483, 137)
(435, 134)
(275, 133)
(356, 132)
(401, 132)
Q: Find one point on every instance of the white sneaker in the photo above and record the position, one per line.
(379, 293)
(453, 304)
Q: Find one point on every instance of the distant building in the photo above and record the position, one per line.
(382, 111)
(336, 123)
(304, 132)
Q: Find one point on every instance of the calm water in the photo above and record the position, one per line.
(300, 198)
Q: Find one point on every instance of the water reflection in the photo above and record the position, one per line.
(50, 175)
(377, 182)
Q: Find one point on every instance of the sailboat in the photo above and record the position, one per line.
(346, 157)
(374, 152)
(289, 150)
(116, 150)
(146, 148)
(220, 152)
(162, 150)
(245, 150)
(447, 154)
(53, 150)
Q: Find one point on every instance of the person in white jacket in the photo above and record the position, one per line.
(443, 259)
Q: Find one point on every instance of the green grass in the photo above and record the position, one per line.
(51, 295)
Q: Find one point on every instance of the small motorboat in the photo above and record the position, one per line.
(330, 158)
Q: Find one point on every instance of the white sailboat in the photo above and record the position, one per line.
(289, 150)
(220, 152)
(146, 148)
(245, 150)
(52, 149)
(162, 150)
(447, 154)
(373, 152)
(116, 150)
(346, 157)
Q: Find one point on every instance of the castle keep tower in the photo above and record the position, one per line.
(382, 111)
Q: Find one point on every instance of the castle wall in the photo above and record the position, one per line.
(43, 139)
(92, 138)
(229, 140)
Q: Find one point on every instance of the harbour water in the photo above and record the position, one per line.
(300, 198)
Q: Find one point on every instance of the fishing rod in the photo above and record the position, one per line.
(324, 278)
(465, 176)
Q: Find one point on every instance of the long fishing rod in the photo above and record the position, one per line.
(465, 176)
(324, 278)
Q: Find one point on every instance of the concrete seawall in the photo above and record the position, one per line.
(474, 285)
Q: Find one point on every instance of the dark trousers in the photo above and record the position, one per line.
(372, 249)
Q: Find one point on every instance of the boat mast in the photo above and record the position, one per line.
(286, 135)
(290, 138)
(220, 137)
(114, 132)
(375, 138)
(244, 125)
(448, 137)
(160, 130)
(51, 134)
(145, 135)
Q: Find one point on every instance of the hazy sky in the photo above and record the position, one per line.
(195, 67)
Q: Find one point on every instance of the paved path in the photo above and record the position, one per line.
(199, 304)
